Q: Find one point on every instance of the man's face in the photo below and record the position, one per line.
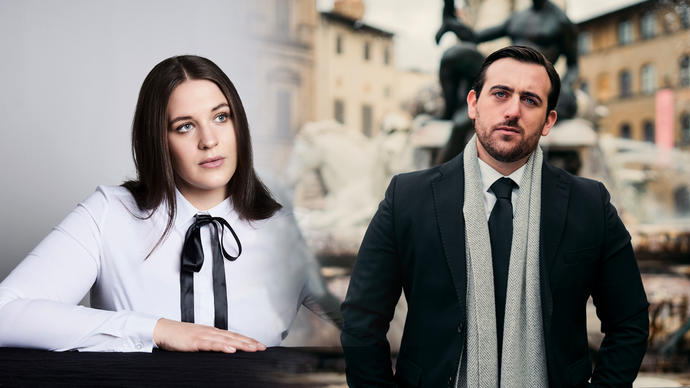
(510, 114)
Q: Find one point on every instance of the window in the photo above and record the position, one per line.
(648, 25)
(338, 44)
(367, 119)
(584, 43)
(626, 133)
(282, 17)
(648, 131)
(339, 111)
(387, 55)
(685, 70)
(625, 32)
(624, 84)
(648, 79)
(367, 48)
(681, 200)
(685, 128)
(284, 114)
(684, 10)
(386, 91)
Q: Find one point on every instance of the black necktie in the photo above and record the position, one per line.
(192, 261)
(501, 233)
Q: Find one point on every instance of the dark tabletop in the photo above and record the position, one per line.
(270, 368)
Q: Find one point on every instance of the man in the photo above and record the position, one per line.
(543, 26)
(496, 232)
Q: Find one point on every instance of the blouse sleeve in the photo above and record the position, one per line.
(38, 300)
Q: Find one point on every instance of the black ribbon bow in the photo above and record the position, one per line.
(193, 260)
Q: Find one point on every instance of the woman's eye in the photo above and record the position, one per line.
(184, 128)
(222, 117)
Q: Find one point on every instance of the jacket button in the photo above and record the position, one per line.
(450, 381)
(460, 328)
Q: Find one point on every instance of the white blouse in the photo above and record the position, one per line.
(102, 246)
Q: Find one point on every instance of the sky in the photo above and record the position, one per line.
(415, 23)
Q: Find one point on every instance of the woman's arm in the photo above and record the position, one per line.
(38, 300)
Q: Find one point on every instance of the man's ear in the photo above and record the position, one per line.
(549, 123)
(472, 104)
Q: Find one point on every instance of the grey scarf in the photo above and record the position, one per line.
(524, 359)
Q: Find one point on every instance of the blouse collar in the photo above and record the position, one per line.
(185, 211)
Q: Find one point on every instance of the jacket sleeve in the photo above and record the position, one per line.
(371, 297)
(621, 305)
(38, 300)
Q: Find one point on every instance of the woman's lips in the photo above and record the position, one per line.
(212, 162)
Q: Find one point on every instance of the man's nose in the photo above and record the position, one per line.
(512, 108)
(207, 137)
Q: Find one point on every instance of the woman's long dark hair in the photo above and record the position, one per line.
(155, 181)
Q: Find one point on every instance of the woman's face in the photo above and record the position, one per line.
(201, 139)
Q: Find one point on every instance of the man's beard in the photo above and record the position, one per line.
(518, 152)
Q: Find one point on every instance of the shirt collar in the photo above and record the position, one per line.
(489, 175)
(185, 211)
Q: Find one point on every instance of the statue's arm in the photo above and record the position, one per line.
(448, 9)
(492, 33)
(451, 23)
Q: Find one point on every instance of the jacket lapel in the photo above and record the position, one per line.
(448, 190)
(555, 192)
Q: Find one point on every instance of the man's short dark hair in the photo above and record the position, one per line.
(527, 55)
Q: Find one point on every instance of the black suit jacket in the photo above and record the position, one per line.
(416, 243)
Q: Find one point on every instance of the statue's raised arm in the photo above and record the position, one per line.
(451, 23)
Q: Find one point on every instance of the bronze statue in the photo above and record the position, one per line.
(543, 26)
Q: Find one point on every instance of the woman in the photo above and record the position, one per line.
(195, 242)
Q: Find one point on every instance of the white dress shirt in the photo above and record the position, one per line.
(489, 176)
(102, 245)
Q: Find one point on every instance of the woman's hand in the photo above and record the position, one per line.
(191, 337)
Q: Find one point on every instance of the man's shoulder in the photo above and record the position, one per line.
(428, 175)
(577, 184)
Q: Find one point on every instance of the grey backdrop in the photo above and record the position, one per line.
(70, 72)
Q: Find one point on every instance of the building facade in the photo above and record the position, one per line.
(284, 32)
(636, 61)
(355, 70)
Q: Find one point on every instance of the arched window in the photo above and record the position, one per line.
(624, 84)
(626, 132)
(648, 79)
(648, 131)
(681, 200)
(283, 18)
(685, 128)
(685, 70)
(684, 15)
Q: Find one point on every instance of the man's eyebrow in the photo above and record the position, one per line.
(221, 105)
(511, 90)
(502, 87)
